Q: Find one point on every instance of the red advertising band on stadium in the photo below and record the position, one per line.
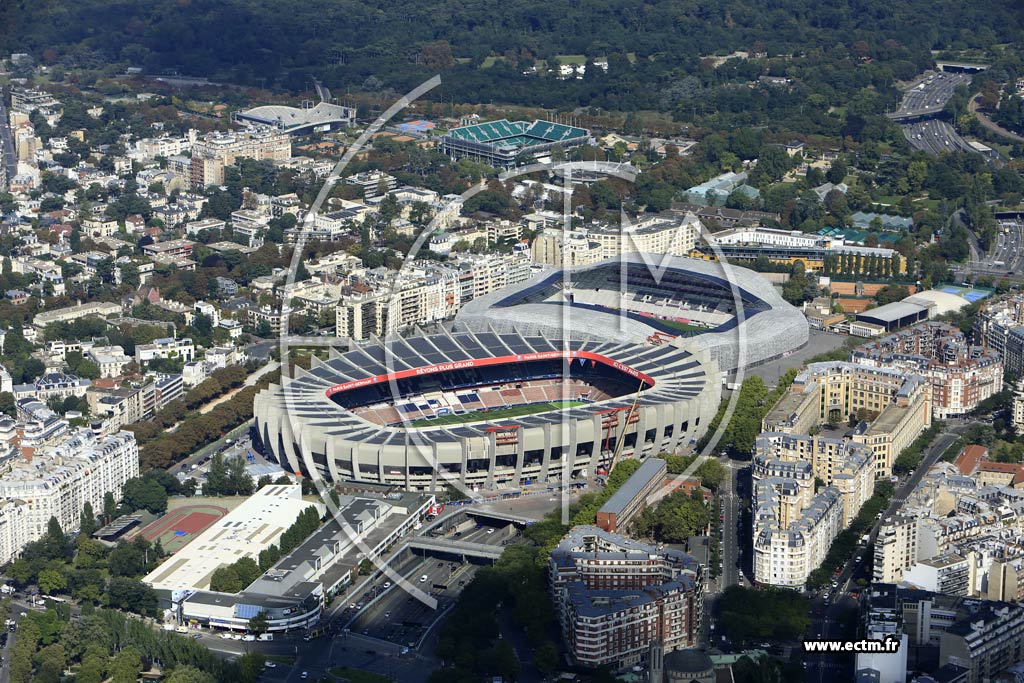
(484, 362)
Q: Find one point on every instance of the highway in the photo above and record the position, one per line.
(929, 95)
(935, 136)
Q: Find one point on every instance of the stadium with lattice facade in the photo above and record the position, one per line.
(485, 409)
(733, 315)
(500, 143)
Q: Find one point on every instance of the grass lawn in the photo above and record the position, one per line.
(495, 414)
(489, 61)
(287, 660)
(357, 675)
(571, 59)
(683, 327)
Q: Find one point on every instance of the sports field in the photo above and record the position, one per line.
(176, 528)
(495, 414)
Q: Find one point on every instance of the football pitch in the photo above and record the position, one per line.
(495, 414)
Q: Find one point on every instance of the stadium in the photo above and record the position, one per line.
(310, 119)
(498, 143)
(486, 409)
(678, 300)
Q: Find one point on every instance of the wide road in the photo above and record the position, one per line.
(10, 154)
(733, 534)
(935, 136)
(930, 94)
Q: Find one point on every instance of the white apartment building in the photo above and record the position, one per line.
(59, 480)
(895, 548)
(662, 234)
(167, 347)
(13, 529)
(110, 360)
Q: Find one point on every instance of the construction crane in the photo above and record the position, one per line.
(622, 436)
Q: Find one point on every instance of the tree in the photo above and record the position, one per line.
(109, 507)
(837, 172)
(258, 623)
(51, 581)
(87, 520)
(144, 493)
(7, 405)
(186, 674)
(126, 666)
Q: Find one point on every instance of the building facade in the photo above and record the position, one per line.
(961, 374)
(615, 595)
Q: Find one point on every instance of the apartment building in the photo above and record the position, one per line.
(102, 309)
(111, 360)
(615, 595)
(895, 548)
(792, 530)
(961, 374)
(1000, 325)
(59, 480)
(52, 385)
(214, 151)
(166, 347)
(662, 234)
(948, 573)
(384, 303)
(895, 406)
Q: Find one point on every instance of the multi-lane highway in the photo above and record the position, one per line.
(935, 136)
(929, 94)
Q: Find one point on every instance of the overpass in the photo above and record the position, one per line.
(499, 516)
(449, 547)
(960, 67)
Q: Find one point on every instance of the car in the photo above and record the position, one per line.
(490, 531)
(387, 615)
(236, 636)
(387, 584)
(304, 675)
(352, 605)
(270, 665)
(225, 636)
(423, 579)
(249, 638)
(197, 636)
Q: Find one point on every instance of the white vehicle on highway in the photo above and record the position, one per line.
(423, 579)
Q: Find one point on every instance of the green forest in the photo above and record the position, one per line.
(653, 48)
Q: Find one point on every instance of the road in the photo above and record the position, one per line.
(929, 95)
(825, 614)
(10, 155)
(935, 136)
(988, 123)
(732, 533)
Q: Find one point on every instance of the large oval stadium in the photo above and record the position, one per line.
(734, 315)
(485, 409)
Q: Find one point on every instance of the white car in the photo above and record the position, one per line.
(270, 665)
(423, 579)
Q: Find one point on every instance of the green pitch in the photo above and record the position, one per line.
(495, 414)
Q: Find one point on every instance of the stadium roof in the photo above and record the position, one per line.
(676, 373)
(770, 326)
(292, 118)
(506, 133)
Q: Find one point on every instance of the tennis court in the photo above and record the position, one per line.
(971, 294)
(178, 527)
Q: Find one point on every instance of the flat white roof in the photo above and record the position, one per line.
(253, 526)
